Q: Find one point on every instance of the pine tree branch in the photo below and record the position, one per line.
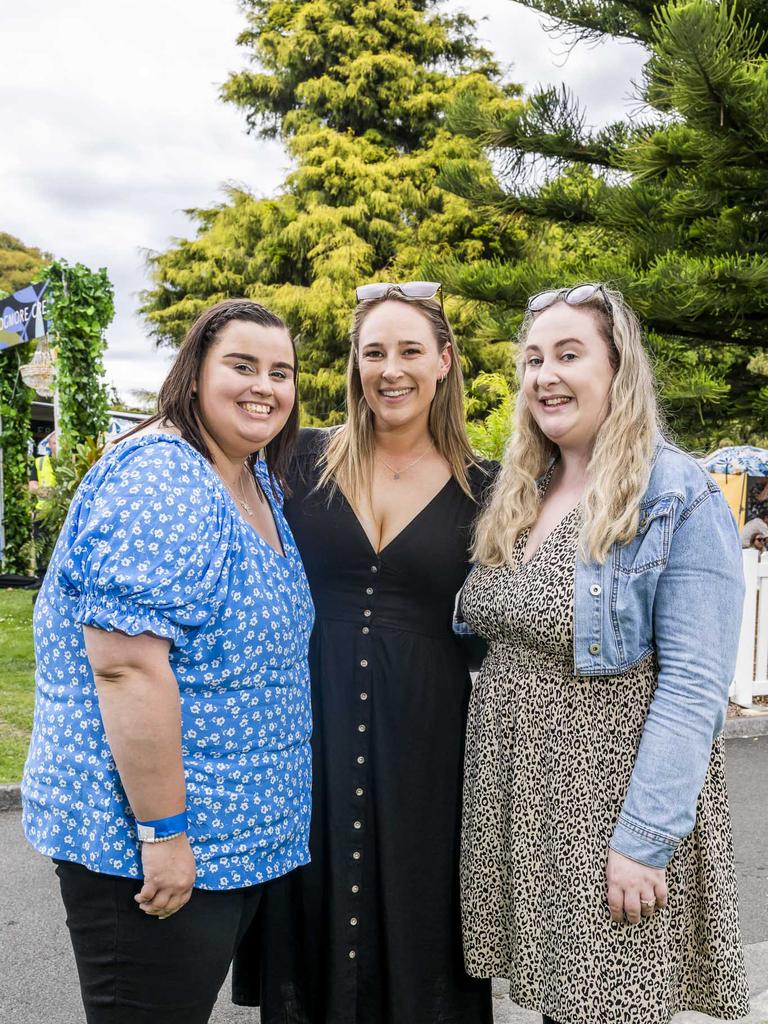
(707, 66)
(550, 125)
(590, 20)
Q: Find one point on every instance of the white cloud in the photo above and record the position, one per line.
(112, 128)
(601, 75)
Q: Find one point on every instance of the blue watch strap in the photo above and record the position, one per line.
(161, 828)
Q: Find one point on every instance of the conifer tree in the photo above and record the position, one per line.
(20, 264)
(671, 206)
(357, 94)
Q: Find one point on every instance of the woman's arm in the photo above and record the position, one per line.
(139, 702)
(696, 622)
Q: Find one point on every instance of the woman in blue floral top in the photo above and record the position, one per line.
(169, 771)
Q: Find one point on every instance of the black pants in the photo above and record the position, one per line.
(547, 1020)
(137, 969)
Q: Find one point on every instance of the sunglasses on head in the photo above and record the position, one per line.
(410, 289)
(573, 296)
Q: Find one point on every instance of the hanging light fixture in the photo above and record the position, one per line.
(39, 373)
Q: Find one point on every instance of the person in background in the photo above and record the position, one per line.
(44, 472)
(757, 497)
(597, 865)
(40, 488)
(754, 532)
(382, 510)
(168, 774)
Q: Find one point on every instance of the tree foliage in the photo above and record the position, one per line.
(357, 94)
(19, 264)
(671, 207)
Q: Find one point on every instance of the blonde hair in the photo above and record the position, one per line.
(347, 461)
(619, 467)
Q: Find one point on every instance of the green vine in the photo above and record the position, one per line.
(15, 410)
(82, 306)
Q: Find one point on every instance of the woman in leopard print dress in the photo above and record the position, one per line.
(597, 866)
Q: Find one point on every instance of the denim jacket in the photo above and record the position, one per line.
(677, 590)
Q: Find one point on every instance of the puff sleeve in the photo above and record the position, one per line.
(147, 549)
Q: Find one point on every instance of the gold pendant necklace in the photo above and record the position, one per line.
(246, 507)
(397, 473)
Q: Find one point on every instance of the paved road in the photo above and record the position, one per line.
(38, 982)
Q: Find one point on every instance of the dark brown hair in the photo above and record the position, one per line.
(176, 400)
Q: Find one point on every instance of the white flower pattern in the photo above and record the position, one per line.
(153, 543)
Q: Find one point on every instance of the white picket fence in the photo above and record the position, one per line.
(751, 676)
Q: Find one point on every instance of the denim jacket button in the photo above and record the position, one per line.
(594, 648)
(595, 589)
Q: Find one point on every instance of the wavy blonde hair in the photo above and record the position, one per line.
(619, 467)
(347, 462)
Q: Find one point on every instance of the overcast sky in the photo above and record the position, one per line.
(112, 127)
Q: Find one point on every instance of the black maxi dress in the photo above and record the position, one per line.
(370, 931)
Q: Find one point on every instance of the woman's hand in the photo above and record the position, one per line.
(169, 875)
(634, 890)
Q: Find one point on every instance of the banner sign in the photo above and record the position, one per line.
(23, 317)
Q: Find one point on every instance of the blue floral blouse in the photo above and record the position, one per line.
(154, 543)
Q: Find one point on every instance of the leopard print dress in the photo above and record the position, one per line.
(549, 758)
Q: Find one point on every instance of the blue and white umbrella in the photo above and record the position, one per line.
(738, 458)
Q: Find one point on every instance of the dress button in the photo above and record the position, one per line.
(353, 921)
(352, 954)
(361, 759)
(366, 631)
(361, 728)
(369, 590)
(355, 888)
(359, 791)
(374, 568)
(363, 695)
(363, 663)
(594, 648)
(367, 613)
(357, 824)
(356, 855)
(595, 589)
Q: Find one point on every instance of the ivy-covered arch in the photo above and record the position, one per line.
(81, 305)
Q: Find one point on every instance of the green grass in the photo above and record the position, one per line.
(17, 681)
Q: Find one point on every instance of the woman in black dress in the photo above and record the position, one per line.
(382, 510)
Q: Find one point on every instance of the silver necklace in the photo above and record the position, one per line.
(397, 473)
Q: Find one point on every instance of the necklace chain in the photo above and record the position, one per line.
(241, 500)
(397, 473)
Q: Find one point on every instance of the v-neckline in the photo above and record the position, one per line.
(545, 540)
(282, 552)
(400, 532)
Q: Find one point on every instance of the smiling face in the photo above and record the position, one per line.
(399, 363)
(568, 375)
(246, 386)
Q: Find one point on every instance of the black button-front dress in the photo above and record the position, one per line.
(370, 931)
